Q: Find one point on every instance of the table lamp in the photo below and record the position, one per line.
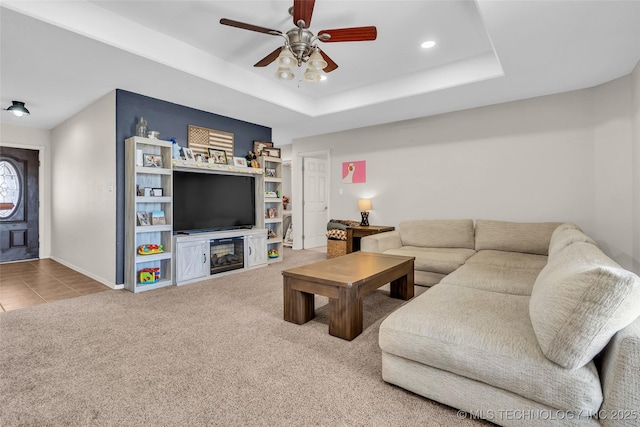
(364, 205)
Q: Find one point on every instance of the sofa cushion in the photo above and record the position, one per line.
(487, 337)
(509, 259)
(436, 260)
(523, 237)
(565, 236)
(579, 301)
(506, 280)
(435, 233)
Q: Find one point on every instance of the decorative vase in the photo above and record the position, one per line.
(141, 127)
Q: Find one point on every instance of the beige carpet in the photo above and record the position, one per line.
(211, 353)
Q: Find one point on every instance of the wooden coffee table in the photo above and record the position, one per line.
(345, 280)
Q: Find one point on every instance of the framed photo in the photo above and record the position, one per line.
(258, 146)
(188, 154)
(143, 218)
(240, 161)
(147, 192)
(152, 161)
(218, 156)
(271, 152)
(269, 172)
(156, 192)
(157, 218)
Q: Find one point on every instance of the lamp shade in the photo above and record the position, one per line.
(364, 205)
(284, 73)
(286, 58)
(316, 61)
(18, 109)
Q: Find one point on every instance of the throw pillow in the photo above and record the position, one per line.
(580, 299)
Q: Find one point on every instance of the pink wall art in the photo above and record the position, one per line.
(354, 172)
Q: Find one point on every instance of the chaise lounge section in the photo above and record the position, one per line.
(536, 327)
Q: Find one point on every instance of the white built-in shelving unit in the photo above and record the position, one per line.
(138, 177)
(273, 210)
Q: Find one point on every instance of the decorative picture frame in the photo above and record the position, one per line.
(271, 152)
(269, 172)
(218, 156)
(147, 192)
(158, 218)
(143, 218)
(152, 160)
(157, 192)
(240, 161)
(258, 146)
(188, 154)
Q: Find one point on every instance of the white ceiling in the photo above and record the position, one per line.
(60, 56)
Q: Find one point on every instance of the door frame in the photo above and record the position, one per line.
(298, 192)
(41, 194)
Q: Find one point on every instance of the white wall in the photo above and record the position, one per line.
(635, 113)
(83, 192)
(613, 167)
(541, 159)
(35, 139)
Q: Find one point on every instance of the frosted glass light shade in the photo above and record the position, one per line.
(364, 205)
(286, 58)
(311, 75)
(316, 61)
(284, 73)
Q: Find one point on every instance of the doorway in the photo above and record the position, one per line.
(315, 199)
(19, 204)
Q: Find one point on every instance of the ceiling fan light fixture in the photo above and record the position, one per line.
(311, 75)
(284, 73)
(18, 109)
(316, 61)
(286, 58)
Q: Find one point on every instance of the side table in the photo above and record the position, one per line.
(357, 232)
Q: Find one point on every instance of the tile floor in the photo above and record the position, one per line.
(23, 284)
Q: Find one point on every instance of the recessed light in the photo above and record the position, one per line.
(428, 44)
(323, 78)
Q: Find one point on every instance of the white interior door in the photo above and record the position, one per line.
(315, 204)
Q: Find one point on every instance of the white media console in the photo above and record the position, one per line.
(200, 255)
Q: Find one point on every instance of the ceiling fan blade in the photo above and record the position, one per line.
(303, 9)
(330, 64)
(269, 58)
(245, 26)
(355, 34)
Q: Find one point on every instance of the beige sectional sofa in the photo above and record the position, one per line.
(529, 324)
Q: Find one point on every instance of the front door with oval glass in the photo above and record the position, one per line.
(19, 195)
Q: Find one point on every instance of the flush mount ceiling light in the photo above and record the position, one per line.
(299, 43)
(428, 44)
(18, 109)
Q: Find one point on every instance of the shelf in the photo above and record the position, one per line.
(153, 171)
(140, 287)
(270, 241)
(272, 179)
(272, 200)
(136, 178)
(152, 228)
(163, 199)
(186, 165)
(271, 159)
(272, 220)
(153, 257)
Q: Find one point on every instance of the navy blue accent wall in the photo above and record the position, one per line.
(172, 121)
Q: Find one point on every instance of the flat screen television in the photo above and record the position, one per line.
(212, 202)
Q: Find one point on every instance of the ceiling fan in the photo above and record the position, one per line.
(299, 46)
